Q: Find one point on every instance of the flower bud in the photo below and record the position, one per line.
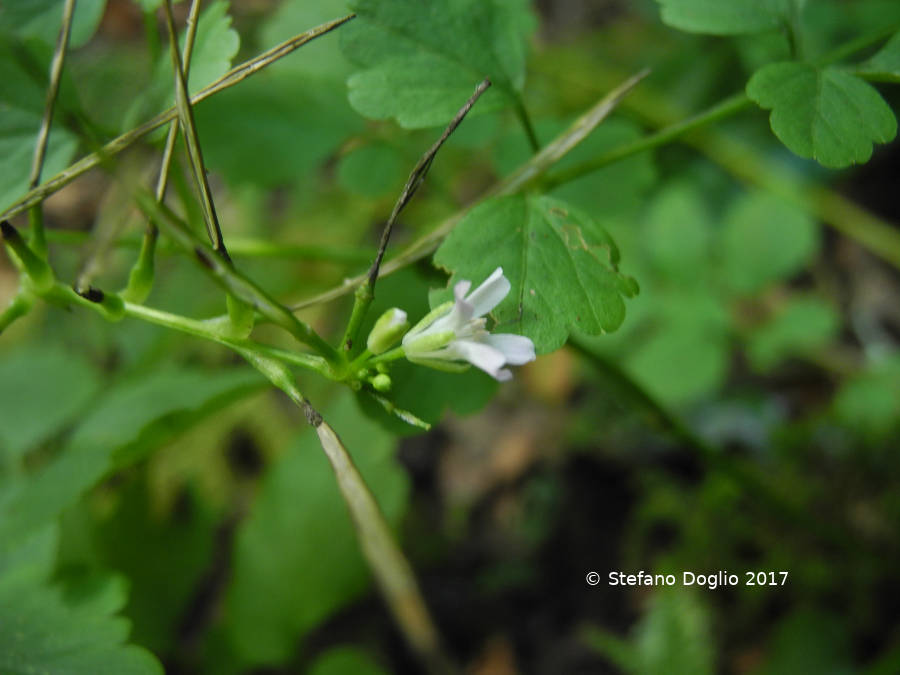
(381, 382)
(390, 327)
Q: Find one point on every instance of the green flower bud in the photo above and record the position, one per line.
(381, 382)
(390, 327)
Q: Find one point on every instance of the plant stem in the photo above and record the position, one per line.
(525, 121)
(721, 110)
(520, 179)
(38, 242)
(365, 293)
(140, 280)
(117, 145)
(223, 272)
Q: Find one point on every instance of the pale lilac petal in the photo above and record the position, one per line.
(516, 348)
(504, 375)
(490, 293)
(480, 355)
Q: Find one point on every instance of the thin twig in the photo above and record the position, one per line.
(56, 66)
(192, 140)
(43, 138)
(366, 292)
(223, 273)
(117, 145)
(392, 571)
(513, 183)
(140, 280)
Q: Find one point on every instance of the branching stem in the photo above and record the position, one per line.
(365, 293)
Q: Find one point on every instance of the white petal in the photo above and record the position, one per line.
(504, 375)
(480, 355)
(461, 288)
(490, 293)
(516, 348)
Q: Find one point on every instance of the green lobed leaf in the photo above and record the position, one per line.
(826, 114)
(803, 326)
(43, 631)
(765, 239)
(42, 19)
(723, 17)
(421, 61)
(130, 419)
(884, 64)
(42, 389)
(562, 266)
(296, 558)
(215, 45)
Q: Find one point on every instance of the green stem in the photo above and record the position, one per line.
(222, 271)
(36, 268)
(140, 280)
(527, 126)
(117, 145)
(388, 356)
(18, 307)
(721, 110)
(38, 241)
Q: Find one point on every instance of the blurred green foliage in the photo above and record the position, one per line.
(741, 410)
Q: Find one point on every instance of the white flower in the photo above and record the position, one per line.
(455, 332)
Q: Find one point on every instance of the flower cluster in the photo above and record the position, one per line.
(454, 335)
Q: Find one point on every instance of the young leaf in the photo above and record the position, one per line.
(40, 632)
(765, 239)
(41, 19)
(421, 59)
(826, 114)
(562, 265)
(120, 428)
(801, 327)
(42, 389)
(723, 17)
(885, 64)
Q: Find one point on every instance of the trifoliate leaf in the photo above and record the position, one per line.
(422, 60)
(765, 239)
(885, 64)
(42, 388)
(129, 420)
(269, 605)
(801, 327)
(42, 19)
(723, 17)
(562, 266)
(826, 114)
(42, 632)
